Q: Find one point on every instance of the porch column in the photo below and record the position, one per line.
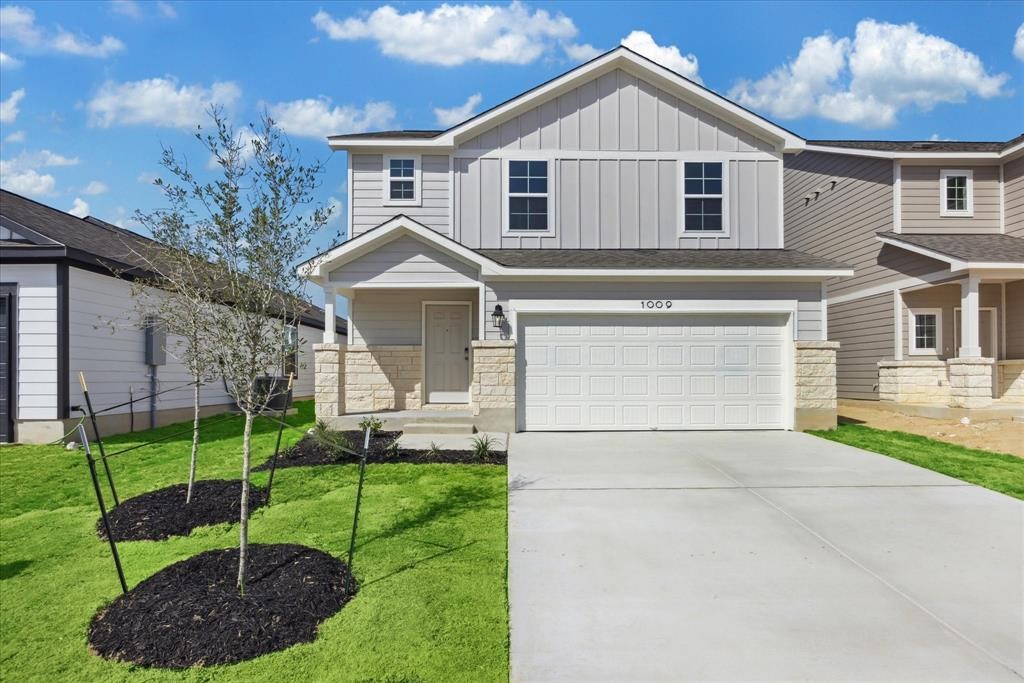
(970, 319)
(330, 306)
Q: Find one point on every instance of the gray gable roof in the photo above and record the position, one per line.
(990, 248)
(937, 146)
(672, 259)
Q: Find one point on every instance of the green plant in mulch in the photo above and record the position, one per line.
(330, 440)
(482, 446)
(374, 424)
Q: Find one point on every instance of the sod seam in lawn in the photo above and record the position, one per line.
(997, 471)
(431, 560)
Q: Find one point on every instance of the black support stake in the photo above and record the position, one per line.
(103, 508)
(359, 497)
(99, 439)
(280, 431)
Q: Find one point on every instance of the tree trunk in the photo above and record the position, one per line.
(243, 529)
(195, 442)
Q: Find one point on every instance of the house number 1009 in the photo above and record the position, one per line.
(654, 303)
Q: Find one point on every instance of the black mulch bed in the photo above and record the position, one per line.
(190, 613)
(160, 514)
(308, 452)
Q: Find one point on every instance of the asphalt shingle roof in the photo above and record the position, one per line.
(921, 145)
(673, 259)
(990, 248)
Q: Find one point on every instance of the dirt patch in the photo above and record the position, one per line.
(190, 613)
(1003, 436)
(160, 514)
(309, 452)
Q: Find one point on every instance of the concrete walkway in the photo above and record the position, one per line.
(755, 556)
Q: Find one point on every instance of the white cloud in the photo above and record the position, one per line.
(18, 24)
(337, 210)
(1018, 43)
(128, 8)
(21, 173)
(583, 52)
(16, 136)
(935, 137)
(146, 178)
(459, 113)
(80, 208)
(166, 10)
(157, 101)
(9, 107)
(244, 136)
(450, 35)
(668, 56)
(95, 187)
(8, 62)
(869, 79)
(316, 118)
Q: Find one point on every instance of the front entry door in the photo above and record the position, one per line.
(446, 353)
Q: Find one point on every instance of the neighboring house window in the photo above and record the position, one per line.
(290, 351)
(703, 197)
(401, 180)
(527, 196)
(957, 193)
(925, 330)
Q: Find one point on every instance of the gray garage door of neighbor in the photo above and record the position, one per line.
(667, 371)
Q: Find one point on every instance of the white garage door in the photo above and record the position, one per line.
(610, 372)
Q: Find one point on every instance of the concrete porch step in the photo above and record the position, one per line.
(439, 428)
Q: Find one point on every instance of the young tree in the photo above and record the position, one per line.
(254, 219)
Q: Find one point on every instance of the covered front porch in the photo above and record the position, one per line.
(959, 338)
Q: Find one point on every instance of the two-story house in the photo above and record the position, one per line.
(934, 315)
(603, 252)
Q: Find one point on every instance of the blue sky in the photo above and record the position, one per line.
(90, 91)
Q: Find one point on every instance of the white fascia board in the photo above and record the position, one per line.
(954, 263)
(385, 145)
(663, 274)
(620, 57)
(881, 154)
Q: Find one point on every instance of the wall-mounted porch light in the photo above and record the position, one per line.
(498, 316)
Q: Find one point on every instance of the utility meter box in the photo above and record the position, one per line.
(156, 342)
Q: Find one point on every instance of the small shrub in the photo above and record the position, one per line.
(482, 446)
(391, 450)
(375, 424)
(434, 451)
(330, 440)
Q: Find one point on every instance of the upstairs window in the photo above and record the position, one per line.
(703, 197)
(401, 176)
(925, 330)
(956, 193)
(527, 196)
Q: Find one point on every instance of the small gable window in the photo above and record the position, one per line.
(527, 196)
(703, 197)
(956, 193)
(401, 180)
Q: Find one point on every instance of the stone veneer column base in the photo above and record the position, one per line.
(329, 380)
(814, 394)
(1011, 381)
(913, 381)
(493, 387)
(970, 382)
(379, 377)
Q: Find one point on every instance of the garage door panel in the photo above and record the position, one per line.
(647, 372)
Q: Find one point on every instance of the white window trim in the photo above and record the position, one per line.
(950, 213)
(681, 175)
(505, 230)
(386, 180)
(913, 349)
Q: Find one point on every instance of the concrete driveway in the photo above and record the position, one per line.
(755, 556)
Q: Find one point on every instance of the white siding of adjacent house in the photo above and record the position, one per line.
(36, 397)
(107, 345)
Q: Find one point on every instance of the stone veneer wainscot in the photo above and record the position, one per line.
(814, 395)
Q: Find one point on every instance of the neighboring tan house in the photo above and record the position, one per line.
(934, 315)
(63, 310)
(603, 252)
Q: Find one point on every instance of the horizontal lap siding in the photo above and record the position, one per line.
(36, 329)
(807, 295)
(617, 204)
(1013, 197)
(947, 297)
(368, 209)
(1015, 319)
(405, 260)
(394, 317)
(921, 193)
(865, 331)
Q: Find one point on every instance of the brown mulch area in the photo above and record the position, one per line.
(160, 514)
(309, 452)
(191, 613)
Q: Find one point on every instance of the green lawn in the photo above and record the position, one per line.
(431, 562)
(997, 471)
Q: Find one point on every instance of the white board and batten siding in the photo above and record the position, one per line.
(107, 345)
(36, 322)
